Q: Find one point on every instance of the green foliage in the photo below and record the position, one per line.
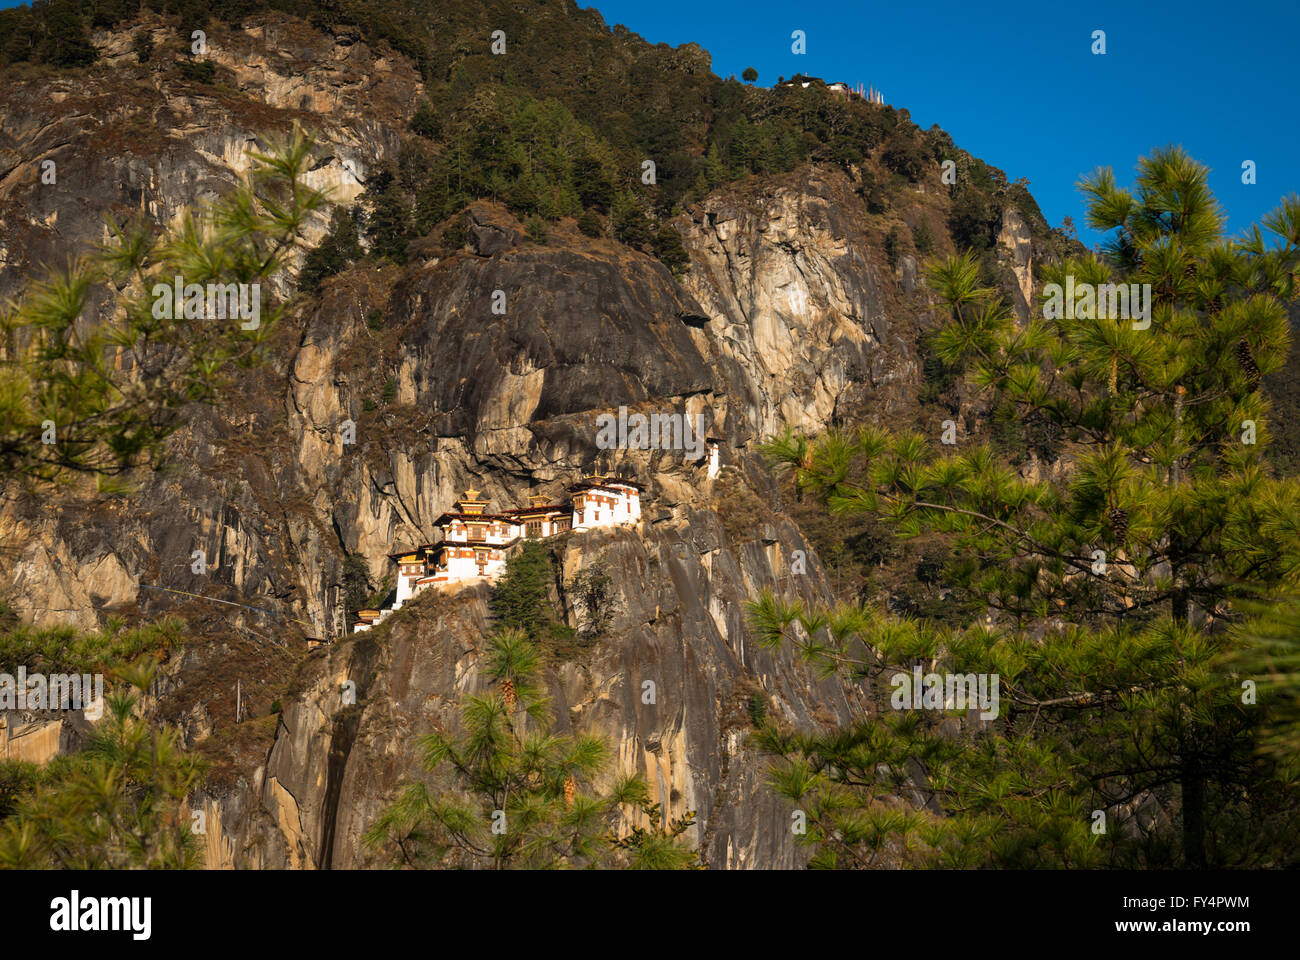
(55, 33)
(509, 794)
(893, 246)
(590, 224)
(922, 237)
(1269, 655)
(121, 803)
(377, 599)
(197, 71)
(929, 569)
(521, 597)
(1117, 692)
(748, 146)
(532, 155)
(390, 391)
(535, 130)
(1089, 720)
(51, 650)
(631, 225)
(973, 217)
(108, 397)
(456, 234)
(975, 213)
(340, 247)
(939, 379)
(424, 122)
(536, 230)
(388, 219)
(904, 154)
(17, 779)
(356, 583)
(669, 249)
(656, 846)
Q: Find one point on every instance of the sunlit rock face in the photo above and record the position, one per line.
(789, 315)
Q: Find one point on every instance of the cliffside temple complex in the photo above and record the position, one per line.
(472, 543)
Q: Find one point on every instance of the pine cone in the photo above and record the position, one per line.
(508, 692)
(570, 788)
(1247, 363)
(1118, 521)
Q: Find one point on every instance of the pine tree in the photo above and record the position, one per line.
(590, 224)
(387, 223)
(1109, 586)
(521, 596)
(1271, 652)
(119, 804)
(341, 246)
(669, 248)
(631, 225)
(715, 169)
(509, 794)
(424, 122)
(78, 401)
(66, 42)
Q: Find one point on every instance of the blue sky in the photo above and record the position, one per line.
(1018, 86)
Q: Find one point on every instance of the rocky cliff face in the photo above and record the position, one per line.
(669, 694)
(121, 139)
(789, 315)
(1015, 240)
(587, 328)
(804, 317)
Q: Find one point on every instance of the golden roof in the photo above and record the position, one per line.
(470, 503)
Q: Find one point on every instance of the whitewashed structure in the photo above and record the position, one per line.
(604, 501)
(472, 543)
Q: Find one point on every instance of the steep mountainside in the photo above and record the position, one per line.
(800, 307)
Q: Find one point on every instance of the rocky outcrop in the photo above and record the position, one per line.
(122, 141)
(1017, 245)
(30, 740)
(803, 318)
(668, 690)
(485, 367)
